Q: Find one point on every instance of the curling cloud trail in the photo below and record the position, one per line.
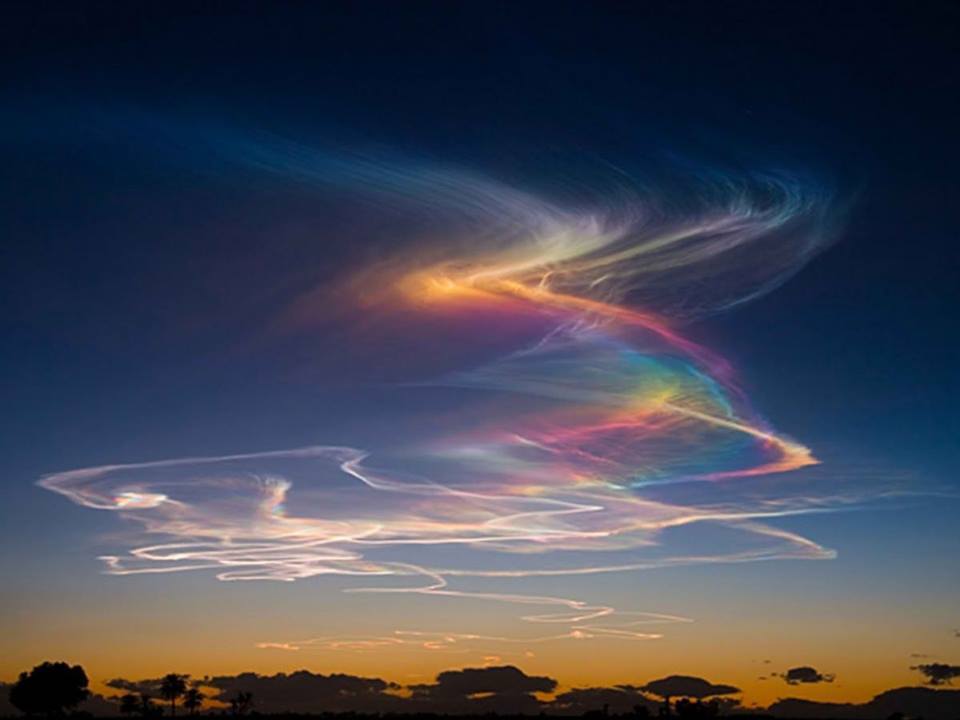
(681, 247)
(603, 433)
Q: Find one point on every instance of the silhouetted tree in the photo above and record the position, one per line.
(49, 689)
(129, 704)
(242, 703)
(147, 708)
(685, 686)
(171, 687)
(192, 700)
(689, 710)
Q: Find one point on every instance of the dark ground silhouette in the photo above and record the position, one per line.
(58, 689)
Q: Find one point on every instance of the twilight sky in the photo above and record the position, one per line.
(357, 339)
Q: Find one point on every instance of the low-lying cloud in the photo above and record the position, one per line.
(806, 675)
(938, 673)
(686, 686)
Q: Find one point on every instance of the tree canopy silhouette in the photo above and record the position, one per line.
(192, 700)
(129, 704)
(173, 686)
(242, 703)
(147, 708)
(50, 689)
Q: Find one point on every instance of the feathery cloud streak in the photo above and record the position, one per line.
(601, 431)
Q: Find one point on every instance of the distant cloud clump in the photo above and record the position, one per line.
(148, 686)
(687, 686)
(805, 674)
(938, 673)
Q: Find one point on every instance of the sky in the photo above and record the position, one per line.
(385, 340)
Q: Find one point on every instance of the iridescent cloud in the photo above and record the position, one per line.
(599, 431)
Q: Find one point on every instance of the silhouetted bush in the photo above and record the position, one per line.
(50, 689)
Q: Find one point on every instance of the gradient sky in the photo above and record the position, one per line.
(479, 243)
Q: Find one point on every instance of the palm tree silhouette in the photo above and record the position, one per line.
(192, 700)
(171, 687)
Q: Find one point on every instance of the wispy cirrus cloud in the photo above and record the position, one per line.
(600, 433)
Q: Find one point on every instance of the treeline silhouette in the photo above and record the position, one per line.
(54, 689)
(57, 689)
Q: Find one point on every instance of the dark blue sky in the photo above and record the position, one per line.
(863, 94)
